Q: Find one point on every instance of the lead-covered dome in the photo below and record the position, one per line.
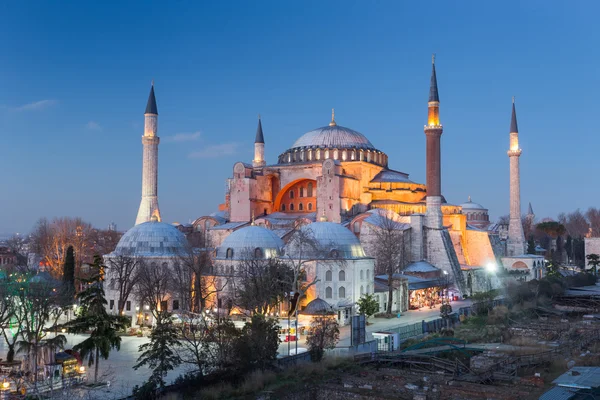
(151, 239)
(470, 205)
(333, 136)
(250, 242)
(325, 240)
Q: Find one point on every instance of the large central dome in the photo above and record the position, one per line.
(333, 136)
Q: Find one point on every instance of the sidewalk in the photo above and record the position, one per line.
(407, 318)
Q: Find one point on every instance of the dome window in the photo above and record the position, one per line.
(258, 253)
(229, 253)
(342, 276)
(335, 254)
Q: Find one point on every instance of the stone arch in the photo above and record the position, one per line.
(519, 265)
(278, 206)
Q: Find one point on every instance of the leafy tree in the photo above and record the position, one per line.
(160, 354)
(69, 272)
(531, 245)
(367, 305)
(594, 261)
(257, 346)
(324, 334)
(93, 317)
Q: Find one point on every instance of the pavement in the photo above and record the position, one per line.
(118, 369)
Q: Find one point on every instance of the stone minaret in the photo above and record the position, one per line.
(149, 205)
(259, 147)
(433, 132)
(515, 245)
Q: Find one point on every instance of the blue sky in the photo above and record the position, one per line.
(75, 76)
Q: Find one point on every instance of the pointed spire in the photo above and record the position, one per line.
(530, 210)
(332, 123)
(513, 119)
(469, 200)
(259, 133)
(151, 106)
(433, 89)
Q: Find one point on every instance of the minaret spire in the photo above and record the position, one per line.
(149, 210)
(515, 244)
(433, 133)
(259, 146)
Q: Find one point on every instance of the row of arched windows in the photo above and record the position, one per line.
(291, 207)
(373, 156)
(329, 292)
(302, 191)
(342, 275)
(478, 216)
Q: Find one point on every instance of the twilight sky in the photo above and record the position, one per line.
(75, 76)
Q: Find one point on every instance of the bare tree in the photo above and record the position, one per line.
(503, 220)
(576, 224)
(261, 284)
(193, 280)
(593, 217)
(388, 246)
(18, 245)
(103, 241)
(122, 275)
(153, 288)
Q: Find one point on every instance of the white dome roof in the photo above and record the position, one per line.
(334, 136)
(333, 240)
(469, 205)
(151, 239)
(246, 240)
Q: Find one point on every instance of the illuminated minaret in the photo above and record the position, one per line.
(433, 133)
(259, 147)
(149, 205)
(515, 245)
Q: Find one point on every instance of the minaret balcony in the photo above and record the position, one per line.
(514, 153)
(433, 126)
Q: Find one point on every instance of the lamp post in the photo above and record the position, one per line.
(290, 294)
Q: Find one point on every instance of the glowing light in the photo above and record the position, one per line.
(490, 267)
(63, 330)
(5, 385)
(445, 272)
(81, 369)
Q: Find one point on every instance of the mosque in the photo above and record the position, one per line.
(335, 183)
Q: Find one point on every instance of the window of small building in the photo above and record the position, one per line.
(112, 304)
(128, 306)
(362, 274)
(164, 305)
(175, 304)
(368, 289)
(368, 274)
(342, 276)
(342, 292)
(362, 290)
(328, 293)
(328, 276)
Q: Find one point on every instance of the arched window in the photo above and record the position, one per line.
(309, 206)
(291, 206)
(362, 274)
(357, 227)
(328, 293)
(283, 207)
(318, 154)
(291, 194)
(362, 290)
(342, 275)
(368, 289)
(342, 292)
(258, 253)
(229, 253)
(328, 276)
(300, 207)
(206, 224)
(326, 154)
(335, 154)
(310, 190)
(368, 274)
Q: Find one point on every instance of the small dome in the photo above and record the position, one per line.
(151, 239)
(469, 205)
(317, 307)
(249, 240)
(333, 136)
(333, 240)
(420, 266)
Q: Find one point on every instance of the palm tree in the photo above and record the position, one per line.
(93, 317)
